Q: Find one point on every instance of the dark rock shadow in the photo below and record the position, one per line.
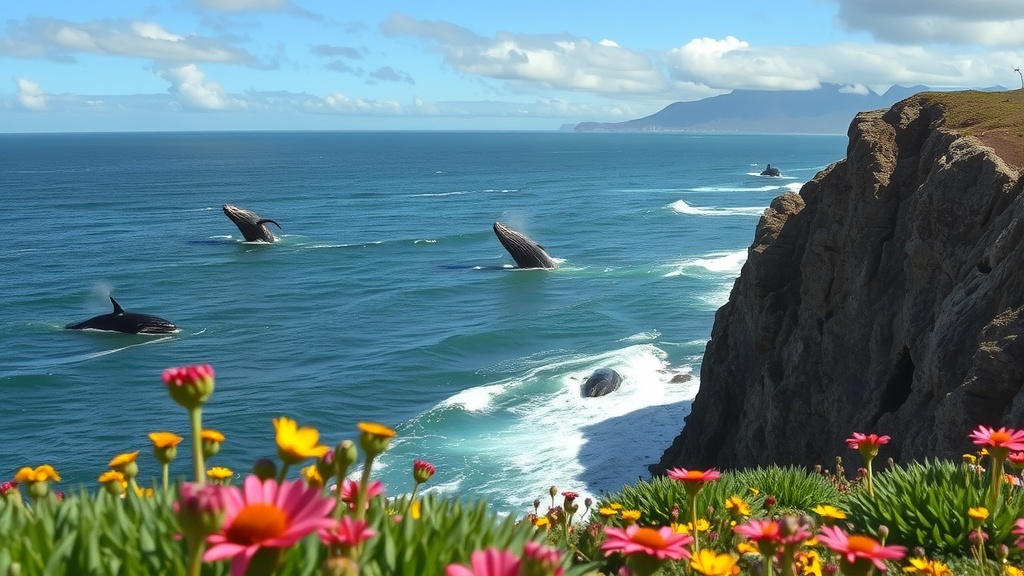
(633, 441)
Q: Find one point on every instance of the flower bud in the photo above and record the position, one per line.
(199, 509)
(422, 471)
(190, 386)
(113, 483)
(345, 455)
(264, 468)
(325, 466)
(374, 438)
(211, 440)
(553, 491)
(126, 464)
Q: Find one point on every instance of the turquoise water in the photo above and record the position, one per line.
(387, 299)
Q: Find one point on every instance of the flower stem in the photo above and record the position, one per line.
(165, 473)
(412, 498)
(195, 416)
(195, 556)
(364, 487)
(871, 488)
(283, 474)
(997, 480)
(693, 520)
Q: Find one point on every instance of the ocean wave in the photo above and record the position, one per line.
(682, 207)
(538, 428)
(734, 188)
(718, 262)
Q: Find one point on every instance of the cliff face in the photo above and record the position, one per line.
(886, 297)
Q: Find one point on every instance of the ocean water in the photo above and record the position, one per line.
(387, 299)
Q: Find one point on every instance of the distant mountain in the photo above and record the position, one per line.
(827, 110)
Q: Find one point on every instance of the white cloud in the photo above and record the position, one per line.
(190, 83)
(30, 94)
(243, 5)
(731, 63)
(543, 61)
(61, 39)
(992, 23)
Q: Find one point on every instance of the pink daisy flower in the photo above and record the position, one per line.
(264, 515)
(350, 489)
(867, 444)
(1004, 438)
(489, 562)
(347, 532)
(1018, 530)
(760, 530)
(684, 475)
(663, 543)
(857, 549)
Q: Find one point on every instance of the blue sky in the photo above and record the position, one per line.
(68, 65)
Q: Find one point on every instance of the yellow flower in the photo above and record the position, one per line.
(746, 547)
(296, 444)
(1012, 570)
(312, 476)
(702, 526)
(607, 511)
(44, 473)
(970, 459)
(219, 473)
(211, 435)
(111, 476)
(710, 563)
(414, 510)
(929, 567)
(143, 492)
(374, 438)
(808, 563)
(542, 522)
(980, 513)
(123, 459)
(164, 439)
(630, 516)
(737, 506)
(754, 491)
(615, 506)
(828, 511)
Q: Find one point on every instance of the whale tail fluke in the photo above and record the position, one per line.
(268, 221)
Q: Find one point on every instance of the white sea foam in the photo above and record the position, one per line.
(734, 189)
(726, 263)
(795, 186)
(682, 207)
(538, 430)
(438, 194)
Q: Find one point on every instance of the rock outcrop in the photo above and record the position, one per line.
(886, 297)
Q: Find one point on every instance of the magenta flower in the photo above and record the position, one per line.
(856, 551)
(663, 543)
(422, 471)
(200, 509)
(265, 515)
(489, 562)
(346, 533)
(540, 559)
(350, 489)
(190, 386)
(760, 530)
(696, 476)
(1003, 439)
(1018, 529)
(867, 444)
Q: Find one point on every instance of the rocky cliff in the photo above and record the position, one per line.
(886, 297)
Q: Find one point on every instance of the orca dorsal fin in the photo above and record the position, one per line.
(268, 220)
(117, 307)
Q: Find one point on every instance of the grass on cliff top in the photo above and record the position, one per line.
(995, 118)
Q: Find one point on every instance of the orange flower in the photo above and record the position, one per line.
(122, 459)
(44, 473)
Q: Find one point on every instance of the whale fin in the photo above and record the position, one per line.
(117, 307)
(266, 220)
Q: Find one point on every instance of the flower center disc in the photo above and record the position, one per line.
(858, 543)
(257, 523)
(648, 537)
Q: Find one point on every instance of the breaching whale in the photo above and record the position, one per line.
(127, 322)
(252, 227)
(602, 381)
(526, 252)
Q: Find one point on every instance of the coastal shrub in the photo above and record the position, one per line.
(926, 504)
(793, 488)
(655, 499)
